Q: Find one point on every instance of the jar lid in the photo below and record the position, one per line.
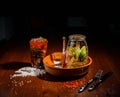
(77, 37)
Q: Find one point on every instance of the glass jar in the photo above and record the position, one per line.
(76, 51)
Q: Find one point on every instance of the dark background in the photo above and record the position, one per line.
(97, 28)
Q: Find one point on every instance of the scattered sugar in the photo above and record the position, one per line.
(28, 71)
(24, 72)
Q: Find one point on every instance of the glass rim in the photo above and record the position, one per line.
(77, 37)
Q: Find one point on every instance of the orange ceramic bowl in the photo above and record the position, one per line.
(65, 72)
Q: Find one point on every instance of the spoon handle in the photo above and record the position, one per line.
(63, 51)
(64, 44)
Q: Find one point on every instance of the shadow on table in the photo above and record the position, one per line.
(50, 77)
(47, 76)
(14, 65)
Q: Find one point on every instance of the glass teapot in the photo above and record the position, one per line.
(76, 52)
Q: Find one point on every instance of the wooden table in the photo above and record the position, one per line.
(15, 54)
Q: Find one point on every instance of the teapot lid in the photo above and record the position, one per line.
(77, 37)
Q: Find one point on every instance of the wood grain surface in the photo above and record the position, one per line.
(15, 54)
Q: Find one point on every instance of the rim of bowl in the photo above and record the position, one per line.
(89, 58)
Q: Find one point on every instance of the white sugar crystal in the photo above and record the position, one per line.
(28, 71)
(29, 81)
